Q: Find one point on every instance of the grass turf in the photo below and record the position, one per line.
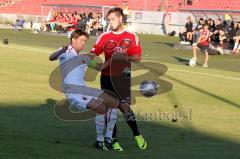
(208, 99)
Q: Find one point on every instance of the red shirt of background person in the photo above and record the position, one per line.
(74, 20)
(54, 17)
(59, 17)
(63, 18)
(109, 42)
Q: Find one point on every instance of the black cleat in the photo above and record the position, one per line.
(101, 145)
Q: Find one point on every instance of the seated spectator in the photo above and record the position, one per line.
(53, 21)
(212, 26)
(90, 21)
(189, 29)
(219, 32)
(196, 31)
(82, 23)
(186, 36)
(63, 22)
(236, 38)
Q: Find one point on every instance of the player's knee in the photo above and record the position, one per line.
(129, 115)
(110, 100)
(101, 109)
(98, 105)
(124, 107)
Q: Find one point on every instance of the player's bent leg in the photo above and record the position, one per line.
(110, 100)
(98, 105)
(131, 120)
(206, 59)
(111, 119)
(101, 109)
(85, 102)
(194, 48)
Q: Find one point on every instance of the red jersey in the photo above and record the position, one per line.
(74, 21)
(111, 42)
(205, 34)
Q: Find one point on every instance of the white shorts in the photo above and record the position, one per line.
(80, 101)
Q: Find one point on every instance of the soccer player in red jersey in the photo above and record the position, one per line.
(124, 45)
(203, 44)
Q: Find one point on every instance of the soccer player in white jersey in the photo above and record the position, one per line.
(73, 66)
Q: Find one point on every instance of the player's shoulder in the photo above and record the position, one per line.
(103, 35)
(131, 33)
(133, 36)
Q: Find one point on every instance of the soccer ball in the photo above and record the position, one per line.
(192, 63)
(148, 88)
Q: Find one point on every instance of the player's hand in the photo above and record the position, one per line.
(120, 56)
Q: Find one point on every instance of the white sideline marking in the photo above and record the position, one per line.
(199, 73)
(24, 48)
(206, 74)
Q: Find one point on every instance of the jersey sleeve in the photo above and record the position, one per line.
(137, 49)
(98, 46)
(62, 55)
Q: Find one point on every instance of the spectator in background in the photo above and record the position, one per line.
(212, 26)
(52, 22)
(196, 31)
(166, 22)
(236, 38)
(186, 35)
(189, 29)
(232, 32)
(219, 32)
(90, 21)
(228, 19)
(82, 23)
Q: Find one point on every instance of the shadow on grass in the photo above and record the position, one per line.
(165, 43)
(181, 60)
(32, 131)
(184, 61)
(204, 92)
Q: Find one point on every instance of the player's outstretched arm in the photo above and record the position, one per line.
(122, 56)
(55, 55)
(94, 65)
(99, 66)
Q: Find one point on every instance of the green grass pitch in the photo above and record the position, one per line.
(208, 99)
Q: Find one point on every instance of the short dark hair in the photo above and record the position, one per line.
(205, 24)
(77, 33)
(116, 10)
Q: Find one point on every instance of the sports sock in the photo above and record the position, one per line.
(100, 124)
(238, 47)
(131, 121)
(235, 46)
(111, 120)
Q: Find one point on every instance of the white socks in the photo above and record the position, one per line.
(236, 46)
(111, 119)
(100, 125)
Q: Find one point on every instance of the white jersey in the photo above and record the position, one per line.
(76, 75)
(73, 70)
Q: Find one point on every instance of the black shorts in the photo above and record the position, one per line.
(107, 84)
(203, 48)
